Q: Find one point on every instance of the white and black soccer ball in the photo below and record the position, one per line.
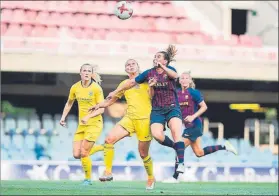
(123, 10)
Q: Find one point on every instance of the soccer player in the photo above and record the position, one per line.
(88, 93)
(165, 106)
(192, 107)
(136, 120)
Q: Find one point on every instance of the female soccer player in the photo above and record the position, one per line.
(165, 106)
(192, 106)
(136, 120)
(88, 93)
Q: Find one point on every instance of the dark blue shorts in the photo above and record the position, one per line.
(192, 133)
(163, 115)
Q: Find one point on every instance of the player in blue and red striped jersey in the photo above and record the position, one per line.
(192, 106)
(165, 106)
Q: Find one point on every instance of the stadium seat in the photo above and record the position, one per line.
(6, 15)
(22, 124)
(29, 142)
(10, 125)
(19, 17)
(18, 141)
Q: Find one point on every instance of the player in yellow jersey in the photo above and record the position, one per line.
(88, 93)
(136, 120)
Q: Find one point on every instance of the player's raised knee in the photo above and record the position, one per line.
(109, 140)
(76, 155)
(199, 153)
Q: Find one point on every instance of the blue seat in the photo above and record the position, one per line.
(18, 141)
(23, 125)
(5, 154)
(30, 142)
(10, 126)
(6, 141)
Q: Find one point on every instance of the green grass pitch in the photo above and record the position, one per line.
(28, 187)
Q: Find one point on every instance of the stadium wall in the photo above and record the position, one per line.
(131, 171)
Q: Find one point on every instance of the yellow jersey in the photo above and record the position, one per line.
(138, 101)
(86, 98)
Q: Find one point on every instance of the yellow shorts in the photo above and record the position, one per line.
(88, 132)
(139, 126)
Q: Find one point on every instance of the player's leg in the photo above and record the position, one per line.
(119, 131)
(142, 128)
(77, 149)
(200, 152)
(174, 178)
(96, 148)
(175, 125)
(174, 120)
(91, 134)
(157, 121)
(86, 161)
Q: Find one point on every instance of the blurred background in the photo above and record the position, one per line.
(231, 49)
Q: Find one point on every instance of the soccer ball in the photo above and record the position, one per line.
(123, 10)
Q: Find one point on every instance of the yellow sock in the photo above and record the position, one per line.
(108, 156)
(148, 165)
(87, 167)
(96, 148)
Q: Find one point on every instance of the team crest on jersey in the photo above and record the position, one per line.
(165, 76)
(90, 93)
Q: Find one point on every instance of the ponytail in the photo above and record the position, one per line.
(95, 76)
(170, 53)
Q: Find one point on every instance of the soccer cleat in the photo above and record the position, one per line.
(86, 182)
(107, 176)
(229, 147)
(180, 168)
(150, 184)
(171, 180)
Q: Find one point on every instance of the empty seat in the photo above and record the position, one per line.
(10, 125)
(19, 16)
(6, 15)
(29, 142)
(18, 141)
(22, 124)
(4, 27)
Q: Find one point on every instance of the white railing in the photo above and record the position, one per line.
(220, 126)
(257, 130)
(102, 47)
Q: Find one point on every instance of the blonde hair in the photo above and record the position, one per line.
(139, 71)
(192, 83)
(95, 76)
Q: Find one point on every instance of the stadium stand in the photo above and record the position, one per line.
(31, 138)
(152, 22)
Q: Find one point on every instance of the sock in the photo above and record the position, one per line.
(180, 148)
(148, 165)
(108, 156)
(87, 167)
(168, 142)
(211, 149)
(96, 148)
(176, 174)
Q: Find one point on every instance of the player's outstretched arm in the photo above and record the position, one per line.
(128, 84)
(66, 111)
(103, 104)
(92, 114)
(170, 71)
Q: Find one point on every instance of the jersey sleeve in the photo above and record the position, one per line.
(172, 68)
(142, 77)
(121, 93)
(197, 96)
(99, 95)
(72, 94)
